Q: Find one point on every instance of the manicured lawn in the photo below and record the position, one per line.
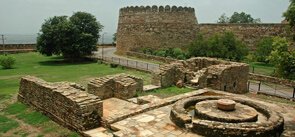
(262, 68)
(52, 69)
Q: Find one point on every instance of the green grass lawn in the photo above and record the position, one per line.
(262, 68)
(52, 69)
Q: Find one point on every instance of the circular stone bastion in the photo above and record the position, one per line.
(220, 116)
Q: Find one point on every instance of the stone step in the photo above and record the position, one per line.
(97, 132)
(150, 87)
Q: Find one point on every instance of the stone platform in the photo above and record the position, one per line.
(242, 113)
(126, 118)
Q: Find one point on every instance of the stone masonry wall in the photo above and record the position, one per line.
(17, 46)
(250, 34)
(150, 57)
(204, 72)
(120, 86)
(170, 27)
(155, 27)
(66, 103)
(270, 79)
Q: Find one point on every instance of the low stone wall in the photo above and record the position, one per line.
(150, 57)
(270, 79)
(66, 103)
(120, 86)
(17, 46)
(204, 72)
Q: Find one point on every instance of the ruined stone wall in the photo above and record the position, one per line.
(150, 57)
(204, 72)
(270, 79)
(66, 103)
(250, 34)
(232, 77)
(155, 27)
(121, 86)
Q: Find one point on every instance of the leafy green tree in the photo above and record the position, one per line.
(73, 37)
(225, 46)
(238, 18)
(236, 50)
(283, 58)
(243, 18)
(223, 19)
(198, 47)
(290, 13)
(216, 47)
(264, 48)
(114, 37)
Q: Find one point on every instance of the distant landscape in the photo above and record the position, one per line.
(31, 39)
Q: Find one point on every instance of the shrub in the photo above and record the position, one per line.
(225, 46)
(7, 62)
(264, 48)
(283, 58)
(112, 65)
(160, 53)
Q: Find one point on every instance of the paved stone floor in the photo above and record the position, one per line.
(155, 123)
(114, 107)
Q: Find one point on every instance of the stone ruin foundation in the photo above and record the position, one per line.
(66, 103)
(121, 86)
(204, 72)
(69, 104)
(248, 118)
(202, 112)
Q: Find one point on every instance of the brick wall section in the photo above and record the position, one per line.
(250, 34)
(155, 27)
(270, 79)
(121, 86)
(66, 103)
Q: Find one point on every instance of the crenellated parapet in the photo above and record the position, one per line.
(156, 27)
(155, 8)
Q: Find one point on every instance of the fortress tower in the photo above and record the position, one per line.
(155, 27)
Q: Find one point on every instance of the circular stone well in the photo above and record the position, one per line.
(210, 110)
(243, 117)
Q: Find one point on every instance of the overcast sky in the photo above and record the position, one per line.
(26, 16)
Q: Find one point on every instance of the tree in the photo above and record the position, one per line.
(73, 37)
(264, 48)
(290, 13)
(236, 50)
(283, 58)
(223, 19)
(225, 46)
(114, 37)
(199, 46)
(238, 18)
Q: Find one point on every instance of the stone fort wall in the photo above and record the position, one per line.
(169, 27)
(155, 27)
(250, 34)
